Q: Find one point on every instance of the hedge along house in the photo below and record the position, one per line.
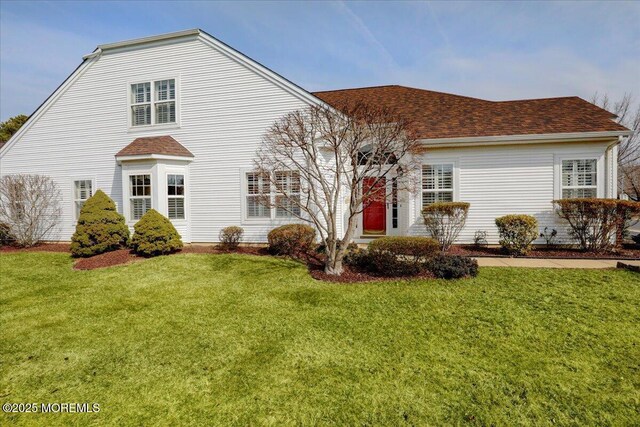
(173, 122)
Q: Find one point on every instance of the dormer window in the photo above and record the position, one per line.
(153, 103)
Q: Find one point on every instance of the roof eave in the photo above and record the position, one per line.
(154, 157)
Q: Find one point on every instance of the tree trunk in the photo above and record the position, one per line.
(333, 264)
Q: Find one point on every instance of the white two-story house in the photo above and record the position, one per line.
(172, 122)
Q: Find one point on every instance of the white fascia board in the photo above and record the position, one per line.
(48, 102)
(521, 139)
(151, 39)
(139, 157)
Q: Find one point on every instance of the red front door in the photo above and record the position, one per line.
(374, 216)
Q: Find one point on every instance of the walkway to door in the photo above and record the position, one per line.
(551, 263)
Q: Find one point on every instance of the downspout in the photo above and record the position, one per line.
(612, 166)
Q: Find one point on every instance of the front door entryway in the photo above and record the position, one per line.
(374, 215)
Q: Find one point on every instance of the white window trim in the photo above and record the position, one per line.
(153, 126)
(600, 171)
(184, 196)
(73, 191)
(128, 216)
(273, 220)
(456, 179)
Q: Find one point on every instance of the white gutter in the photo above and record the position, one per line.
(522, 139)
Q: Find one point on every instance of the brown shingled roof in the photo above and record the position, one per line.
(155, 145)
(443, 115)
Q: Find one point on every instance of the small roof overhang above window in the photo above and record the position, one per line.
(154, 148)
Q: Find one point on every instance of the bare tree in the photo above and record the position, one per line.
(325, 166)
(629, 148)
(29, 206)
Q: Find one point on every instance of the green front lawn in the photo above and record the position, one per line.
(241, 340)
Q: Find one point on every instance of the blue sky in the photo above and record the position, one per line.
(489, 50)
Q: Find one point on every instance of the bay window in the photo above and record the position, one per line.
(139, 195)
(579, 178)
(437, 183)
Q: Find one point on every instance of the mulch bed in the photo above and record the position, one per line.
(43, 247)
(107, 259)
(627, 252)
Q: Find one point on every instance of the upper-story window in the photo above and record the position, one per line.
(153, 103)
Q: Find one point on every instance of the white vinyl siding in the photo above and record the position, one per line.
(175, 196)
(82, 190)
(162, 110)
(579, 178)
(437, 183)
(139, 195)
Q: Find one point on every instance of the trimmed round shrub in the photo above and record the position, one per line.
(230, 237)
(517, 232)
(100, 227)
(452, 266)
(401, 256)
(155, 235)
(291, 239)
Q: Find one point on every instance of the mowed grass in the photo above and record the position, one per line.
(242, 340)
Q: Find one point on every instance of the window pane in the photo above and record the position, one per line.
(140, 92)
(140, 115)
(429, 197)
(165, 90)
(579, 177)
(286, 207)
(165, 112)
(578, 193)
(139, 207)
(83, 189)
(437, 177)
(257, 210)
(176, 208)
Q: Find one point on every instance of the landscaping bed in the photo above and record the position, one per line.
(627, 252)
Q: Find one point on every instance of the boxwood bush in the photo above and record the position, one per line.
(291, 239)
(401, 256)
(452, 266)
(155, 235)
(100, 227)
(517, 232)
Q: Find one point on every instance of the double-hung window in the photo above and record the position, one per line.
(579, 178)
(153, 103)
(261, 195)
(82, 190)
(258, 187)
(139, 195)
(175, 196)
(437, 183)
(287, 197)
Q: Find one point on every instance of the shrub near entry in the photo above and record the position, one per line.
(155, 235)
(291, 239)
(401, 256)
(100, 227)
(445, 220)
